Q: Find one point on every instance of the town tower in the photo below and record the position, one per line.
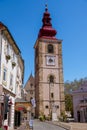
(49, 84)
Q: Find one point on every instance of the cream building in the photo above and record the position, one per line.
(11, 75)
(80, 104)
(49, 84)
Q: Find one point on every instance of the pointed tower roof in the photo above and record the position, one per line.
(47, 31)
(31, 76)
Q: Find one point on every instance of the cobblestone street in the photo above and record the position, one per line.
(38, 125)
(48, 125)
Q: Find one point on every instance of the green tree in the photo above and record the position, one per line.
(69, 103)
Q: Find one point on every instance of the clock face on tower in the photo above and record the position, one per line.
(50, 60)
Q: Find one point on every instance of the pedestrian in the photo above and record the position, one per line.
(31, 124)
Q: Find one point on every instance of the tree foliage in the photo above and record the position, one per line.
(69, 103)
(72, 86)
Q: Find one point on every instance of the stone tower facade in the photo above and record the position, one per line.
(49, 84)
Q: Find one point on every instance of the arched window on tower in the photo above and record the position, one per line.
(50, 48)
(51, 79)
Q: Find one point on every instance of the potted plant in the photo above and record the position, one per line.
(13, 64)
(8, 57)
(42, 117)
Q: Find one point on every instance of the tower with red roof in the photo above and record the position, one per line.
(49, 84)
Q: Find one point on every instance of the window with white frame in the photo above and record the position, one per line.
(11, 79)
(5, 46)
(4, 74)
(13, 58)
(8, 49)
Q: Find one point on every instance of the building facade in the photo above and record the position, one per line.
(30, 92)
(80, 104)
(49, 84)
(11, 76)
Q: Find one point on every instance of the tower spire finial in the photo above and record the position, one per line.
(46, 7)
(47, 31)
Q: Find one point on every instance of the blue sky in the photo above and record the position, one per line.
(69, 17)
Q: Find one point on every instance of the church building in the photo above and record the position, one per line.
(49, 84)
